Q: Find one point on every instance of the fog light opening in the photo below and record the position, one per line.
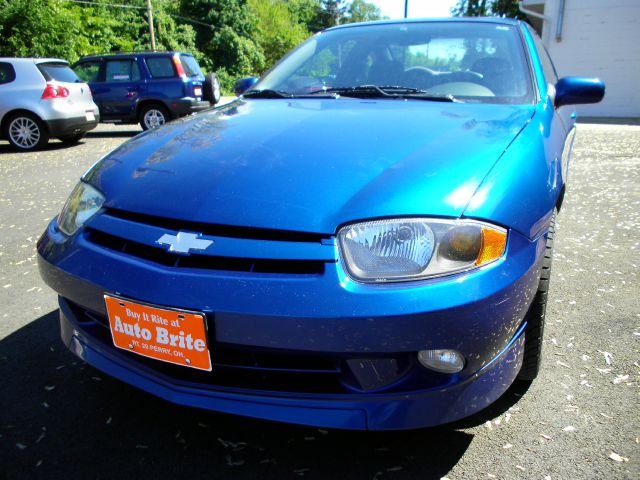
(441, 360)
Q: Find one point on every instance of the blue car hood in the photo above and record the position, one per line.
(310, 165)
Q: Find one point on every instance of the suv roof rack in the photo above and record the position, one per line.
(130, 52)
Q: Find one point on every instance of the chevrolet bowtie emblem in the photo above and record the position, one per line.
(184, 242)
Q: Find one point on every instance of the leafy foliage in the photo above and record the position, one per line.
(361, 11)
(235, 38)
(482, 8)
(277, 30)
(331, 13)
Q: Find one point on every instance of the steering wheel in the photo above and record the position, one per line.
(465, 76)
(418, 77)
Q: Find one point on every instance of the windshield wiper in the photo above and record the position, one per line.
(386, 91)
(361, 90)
(431, 98)
(267, 93)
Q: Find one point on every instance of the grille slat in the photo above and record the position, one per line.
(160, 256)
(236, 367)
(230, 231)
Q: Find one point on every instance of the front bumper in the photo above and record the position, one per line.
(479, 314)
(355, 412)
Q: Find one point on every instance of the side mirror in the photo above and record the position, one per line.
(574, 90)
(244, 84)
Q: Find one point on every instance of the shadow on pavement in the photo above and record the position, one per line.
(60, 418)
(114, 134)
(53, 144)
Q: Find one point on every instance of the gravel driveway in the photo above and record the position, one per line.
(580, 419)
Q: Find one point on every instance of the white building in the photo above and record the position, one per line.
(597, 38)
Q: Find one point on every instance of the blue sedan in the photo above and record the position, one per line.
(361, 240)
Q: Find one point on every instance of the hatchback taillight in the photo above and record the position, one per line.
(52, 91)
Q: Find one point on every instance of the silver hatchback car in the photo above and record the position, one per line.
(42, 98)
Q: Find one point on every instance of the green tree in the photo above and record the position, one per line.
(306, 12)
(276, 31)
(331, 13)
(481, 8)
(171, 32)
(227, 46)
(38, 28)
(507, 8)
(362, 11)
(471, 8)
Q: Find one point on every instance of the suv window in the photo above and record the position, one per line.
(122, 71)
(88, 71)
(190, 66)
(160, 67)
(7, 73)
(59, 72)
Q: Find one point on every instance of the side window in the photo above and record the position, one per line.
(7, 73)
(122, 71)
(88, 71)
(548, 68)
(135, 71)
(160, 67)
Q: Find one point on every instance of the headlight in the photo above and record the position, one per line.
(414, 248)
(82, 204)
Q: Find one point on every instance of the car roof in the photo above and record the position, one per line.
(499, 20)
(32, 60)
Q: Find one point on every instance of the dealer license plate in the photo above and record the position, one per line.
(168, 335)
(197, 91)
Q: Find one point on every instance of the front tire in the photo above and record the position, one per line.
(26, 132)
(535, 317)
(153, 116)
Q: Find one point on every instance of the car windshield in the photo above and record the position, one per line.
(471, 62)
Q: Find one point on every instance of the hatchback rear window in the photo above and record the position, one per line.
(190, 66)
(7, 73)
(160, 67)
(60, 72)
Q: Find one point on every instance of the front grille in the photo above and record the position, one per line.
(161, 256)
(235, 367)
(218, 230)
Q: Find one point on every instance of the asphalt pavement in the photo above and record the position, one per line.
(60, 418)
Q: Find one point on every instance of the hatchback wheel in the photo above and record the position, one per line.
(26, 132)
(153, 116)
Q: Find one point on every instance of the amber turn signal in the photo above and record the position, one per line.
(494, 243)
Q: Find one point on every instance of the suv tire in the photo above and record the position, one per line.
(535, 317)
(211, 88)
(25, 131)
(153, 116)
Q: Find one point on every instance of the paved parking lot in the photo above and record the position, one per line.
(579, 419)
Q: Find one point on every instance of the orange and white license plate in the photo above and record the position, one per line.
(168, 335)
